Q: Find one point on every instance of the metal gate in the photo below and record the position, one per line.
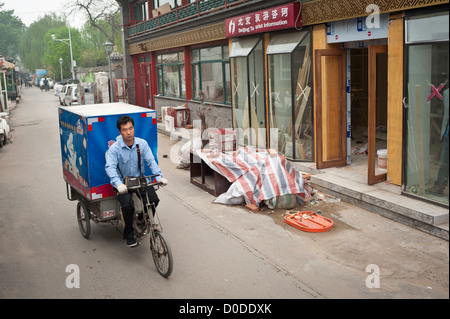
(121, 90)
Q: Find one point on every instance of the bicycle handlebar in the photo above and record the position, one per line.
(150, 177)
(145, 183)
(142, 184)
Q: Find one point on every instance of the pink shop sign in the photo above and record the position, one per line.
(282, 17)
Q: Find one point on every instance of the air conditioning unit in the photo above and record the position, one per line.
(180, 115)
(164, 113)
(169, 123)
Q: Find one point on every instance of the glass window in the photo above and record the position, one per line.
(171, 74)
(290, 102)
(140, 11)
(257, 95)
(240, 89)
(248, 91)
(419, 30)
(280, 111)
(195, 56)
(210, 72)
(169, 58)
(209, 54)
(426, 164)
(173, 3)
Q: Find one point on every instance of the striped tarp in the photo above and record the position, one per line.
(256, 175)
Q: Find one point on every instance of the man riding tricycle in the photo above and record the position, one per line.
(113, 176)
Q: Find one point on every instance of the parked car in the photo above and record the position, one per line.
(62, 93)
(71, 97)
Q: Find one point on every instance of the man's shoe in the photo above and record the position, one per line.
(131, 242)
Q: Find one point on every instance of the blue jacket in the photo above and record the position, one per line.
(120, 156)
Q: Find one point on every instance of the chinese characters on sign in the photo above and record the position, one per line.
(277, 18)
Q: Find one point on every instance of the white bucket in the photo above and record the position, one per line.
(382, 159)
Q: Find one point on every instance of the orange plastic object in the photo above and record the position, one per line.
(309, 222)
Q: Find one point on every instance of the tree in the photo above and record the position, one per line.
(57, 49)
(93, 43)
(102, 15)
(11, 29)
(32, 44)
(39, 51)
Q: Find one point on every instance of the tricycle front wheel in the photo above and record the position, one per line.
(83, 216)
(162, 255)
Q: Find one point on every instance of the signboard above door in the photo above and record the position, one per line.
(277, 18)
(357, 30)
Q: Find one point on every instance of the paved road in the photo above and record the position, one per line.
(219, 251)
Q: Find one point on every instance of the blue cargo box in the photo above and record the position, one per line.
(87, 132)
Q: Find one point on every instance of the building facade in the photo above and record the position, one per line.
(321, 81)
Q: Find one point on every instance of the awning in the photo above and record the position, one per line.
(5, 64)
(243, 47)
(285, 43)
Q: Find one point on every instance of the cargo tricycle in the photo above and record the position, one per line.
(145, 221)
(87, 132)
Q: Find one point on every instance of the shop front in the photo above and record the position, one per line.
(351, 95)
(334, 93)
(270, 57)
(381, 99)
(337, 85)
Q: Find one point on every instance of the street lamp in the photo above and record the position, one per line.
(108, 48)
(70, 45)
(60, 63)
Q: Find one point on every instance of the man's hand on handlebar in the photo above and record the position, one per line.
(164, 182)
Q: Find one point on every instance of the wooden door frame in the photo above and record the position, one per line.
(146, 83)
(372, 117)
(318, 54)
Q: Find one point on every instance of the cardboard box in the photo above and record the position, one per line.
(165, 8)
(87, 132)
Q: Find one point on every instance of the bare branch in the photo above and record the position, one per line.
(99, 10)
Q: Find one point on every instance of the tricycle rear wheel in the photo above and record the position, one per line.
(83, 216)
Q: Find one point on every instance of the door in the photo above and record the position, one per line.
(330, 108)
(145, 72)
(377, 62)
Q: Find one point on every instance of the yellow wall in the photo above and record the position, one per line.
(395, 99)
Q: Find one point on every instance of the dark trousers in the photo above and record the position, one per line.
(126, 202)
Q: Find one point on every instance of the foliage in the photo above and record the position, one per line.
(61, 49)
(38, 50)
(32, 45)
(93, 43)
(11, 27)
